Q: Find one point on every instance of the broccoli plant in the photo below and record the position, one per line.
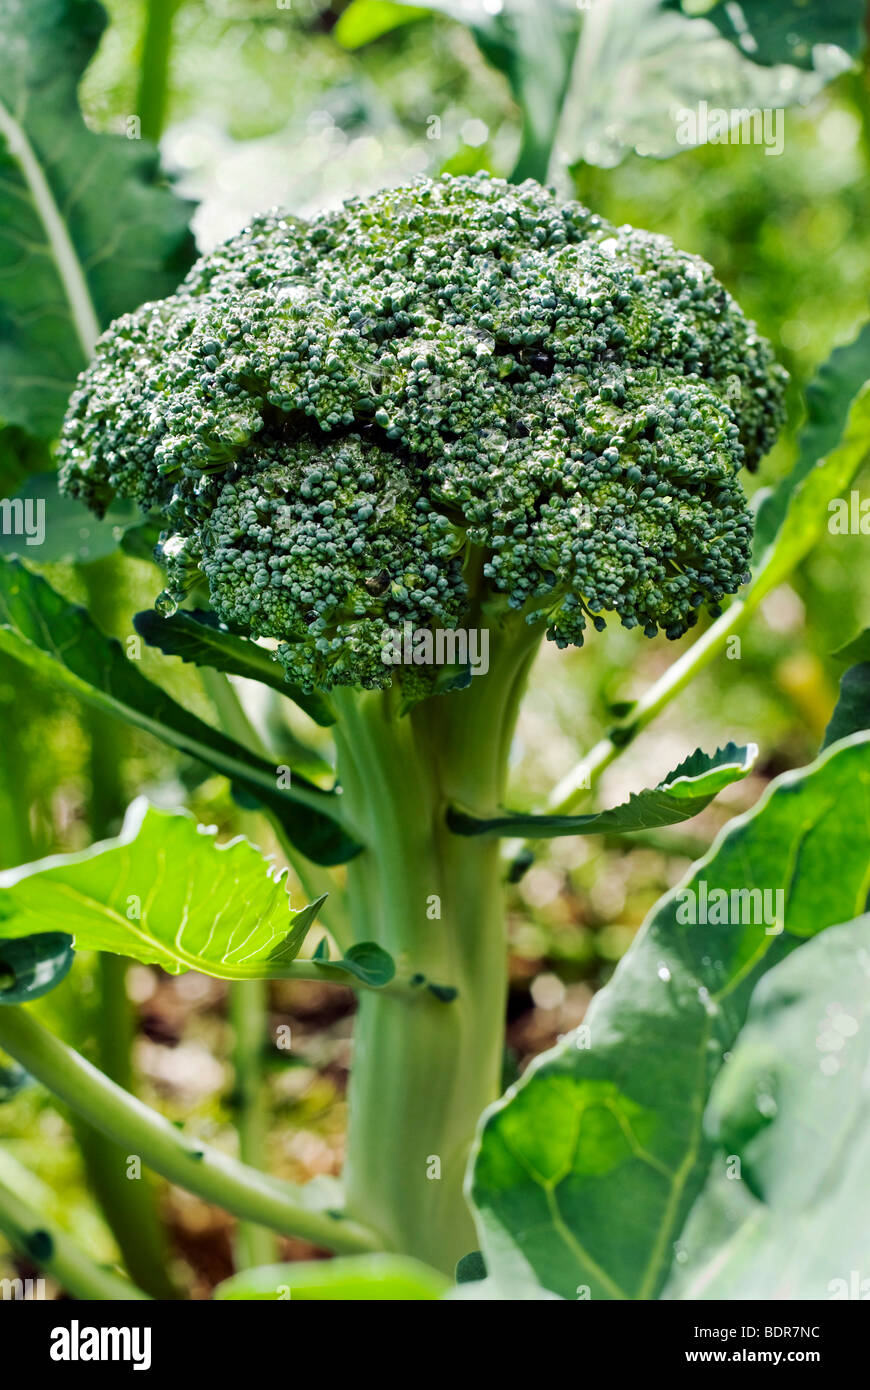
(390, 451)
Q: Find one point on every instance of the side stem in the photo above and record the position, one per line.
(212, 1175)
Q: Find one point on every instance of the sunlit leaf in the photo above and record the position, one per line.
(784, 1211)
(163, 893)
(585, 1172)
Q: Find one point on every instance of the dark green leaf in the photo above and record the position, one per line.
(852, 712)
(363, 1277)
(86, 232)
(471, 1268)
(681, 795)
(585, 1172)
(140, 542)
(808, 512)
(784, 1213)
(164, 893)
(20, 455)
(783, 31)
(32, 965)
(198, 637)
(366, 961)
(46, 527)
(855, 651)
(39, 627)
(829, 397)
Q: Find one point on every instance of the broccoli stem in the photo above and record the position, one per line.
(424, 1070)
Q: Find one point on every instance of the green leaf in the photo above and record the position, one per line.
(682, 794)
(829, 397)
(39, 627)
(20, 455)
(197, 636)
(366, 961)
(471, 1268)
(852, 712)
(807, 515)
(360, 1277)
(793, 1107)
(584, 1173)
(86, 231)
(856, 651)
(47, 528)
(643, 69)
(783, 31)
(33, 965)
(365, 20)
(164, 893)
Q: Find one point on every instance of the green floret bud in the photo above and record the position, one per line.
(341, 420)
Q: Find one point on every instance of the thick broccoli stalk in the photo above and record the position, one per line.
(455, 405)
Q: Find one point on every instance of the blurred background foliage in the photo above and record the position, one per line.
(302, 105)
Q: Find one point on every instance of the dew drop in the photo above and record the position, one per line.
(663, 972)
(166, 604)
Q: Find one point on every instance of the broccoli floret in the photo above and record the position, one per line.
(335, 416)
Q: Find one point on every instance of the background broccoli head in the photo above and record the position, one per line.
(449, 392)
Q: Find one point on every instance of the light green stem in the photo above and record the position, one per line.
(255, 1245)
(576, 784)
(249, 1194)
(423, 1071)
(154, 66)
(51, 1249)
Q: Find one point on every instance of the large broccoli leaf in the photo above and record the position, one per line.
(39, 627)
(782, 31)
(829, 398)
(642, 71)
(165, 893)
(584, 1173)
(86, 230)
(766, 1226)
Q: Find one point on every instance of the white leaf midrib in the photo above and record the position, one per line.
(64, 255)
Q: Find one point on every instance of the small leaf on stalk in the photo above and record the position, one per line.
(32, 965)
(679, 797)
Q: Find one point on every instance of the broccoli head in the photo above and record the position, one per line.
(450, 390)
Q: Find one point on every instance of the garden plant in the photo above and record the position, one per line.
(375, 460)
